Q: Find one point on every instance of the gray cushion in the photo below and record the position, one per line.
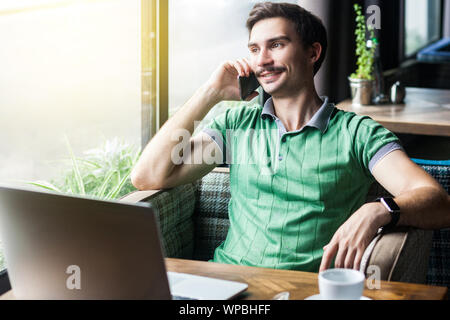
(174, 211)
(211, 213)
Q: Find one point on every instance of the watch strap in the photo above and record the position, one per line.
(394, 212)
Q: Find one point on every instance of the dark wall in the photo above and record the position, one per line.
(390, 32)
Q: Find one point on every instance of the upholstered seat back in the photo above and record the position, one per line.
(439, 263)
(211, 213)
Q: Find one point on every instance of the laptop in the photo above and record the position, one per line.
(69, 247)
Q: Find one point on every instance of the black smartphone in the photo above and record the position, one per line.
(247, 85)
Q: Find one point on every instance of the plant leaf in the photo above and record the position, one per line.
(44, 185)
(113, 194)
(78, 177)
(93, 163)
(101, 191)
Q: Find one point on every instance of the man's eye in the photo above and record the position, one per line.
(253, 50)
(276, 45)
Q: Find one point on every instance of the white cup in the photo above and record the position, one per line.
(341, 284)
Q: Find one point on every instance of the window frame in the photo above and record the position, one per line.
(402, 35)
(155, 72)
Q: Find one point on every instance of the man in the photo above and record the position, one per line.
(297, 202)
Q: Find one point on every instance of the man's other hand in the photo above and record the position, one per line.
(352, 238)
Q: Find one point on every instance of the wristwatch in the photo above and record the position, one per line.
(394, 210)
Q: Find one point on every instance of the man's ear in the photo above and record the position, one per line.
(315, 52)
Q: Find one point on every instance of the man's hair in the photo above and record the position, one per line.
(309, 27)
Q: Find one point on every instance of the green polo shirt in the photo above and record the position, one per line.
(290, 191)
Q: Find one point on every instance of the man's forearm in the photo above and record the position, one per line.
(156, 163)
(424, 208)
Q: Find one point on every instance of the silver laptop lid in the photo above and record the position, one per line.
(67, 247)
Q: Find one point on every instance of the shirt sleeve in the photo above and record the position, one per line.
(372, 142)
(384, 151)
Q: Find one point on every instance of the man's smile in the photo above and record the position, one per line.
(270, 75)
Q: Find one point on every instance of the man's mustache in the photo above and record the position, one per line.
(269, 69)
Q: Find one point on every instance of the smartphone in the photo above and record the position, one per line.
(247, 85)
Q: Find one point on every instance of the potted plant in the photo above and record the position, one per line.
(361, 81)
(102, 173)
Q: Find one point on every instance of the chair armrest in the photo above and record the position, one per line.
(400, 255)
(174, 209)
(138, 196)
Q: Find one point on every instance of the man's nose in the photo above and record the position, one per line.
(264, 58)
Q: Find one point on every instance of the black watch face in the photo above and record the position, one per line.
(391, 204)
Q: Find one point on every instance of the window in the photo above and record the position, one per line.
(202, 34)
(422, 24)
(71, 90)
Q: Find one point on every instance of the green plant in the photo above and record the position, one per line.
(365, 55)
(102, 173)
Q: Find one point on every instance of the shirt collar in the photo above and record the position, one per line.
(320, 119)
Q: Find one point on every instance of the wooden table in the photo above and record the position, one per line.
(263, 283)
(425, 112)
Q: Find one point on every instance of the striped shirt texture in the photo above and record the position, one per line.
(291, 191)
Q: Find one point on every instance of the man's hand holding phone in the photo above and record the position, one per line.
(234, 81)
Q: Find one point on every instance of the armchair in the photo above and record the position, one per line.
(194, 221)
